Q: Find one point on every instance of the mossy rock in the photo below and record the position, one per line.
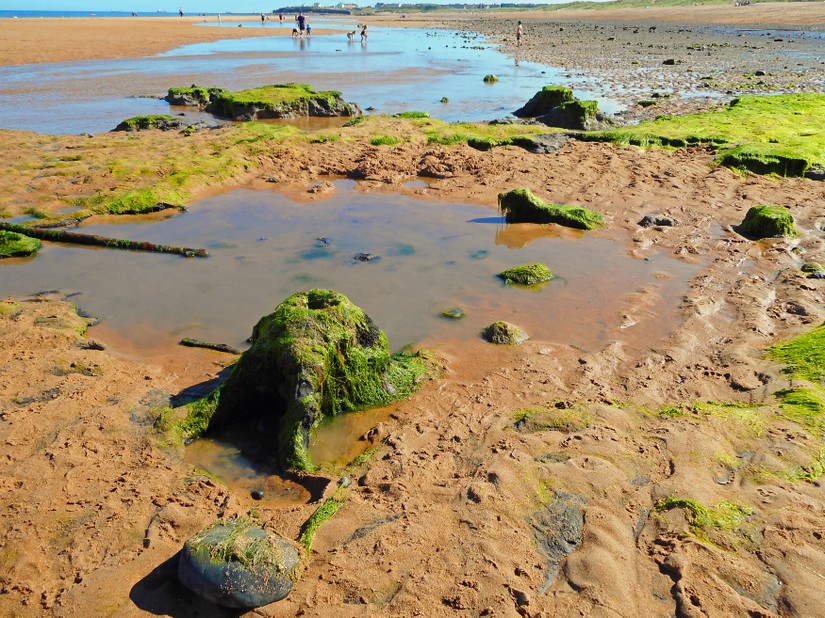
(576, 114)
(812, 267)
(528, 274)
(161, 122)
(238, 564)
(504, 333)
(13, 244)
(545, 101)
(767, 222)
(521, 206)
(490, 79)
(279, 101)
(194, 96)
(315, 356)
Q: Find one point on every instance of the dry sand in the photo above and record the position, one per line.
(461, 512)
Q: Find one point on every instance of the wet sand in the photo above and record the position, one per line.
(459, 511)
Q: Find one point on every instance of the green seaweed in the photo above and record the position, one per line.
(13, 244)
(805, 406)
(142, 123)
(768, 221)
(412, 115)
(322, 514)
(385, 140)
(250, 550)
(703, 520)
(521, 206)
(527, 274)
(277, 100)
(803, 356)
(772, 134)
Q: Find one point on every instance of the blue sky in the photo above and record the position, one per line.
(190, 7)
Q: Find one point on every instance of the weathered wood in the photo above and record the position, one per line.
(219, 347)
(100, 241)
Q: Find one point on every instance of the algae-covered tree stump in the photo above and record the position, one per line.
(315, 356)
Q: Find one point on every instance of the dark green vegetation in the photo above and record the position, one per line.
(13, 244)
(316, 355)
(236, 563)
(99, 241)
(521, 206)
(768, 222)
(323, 513)
(504, 333)
(528, 274)
(143, 123)
(779, 134)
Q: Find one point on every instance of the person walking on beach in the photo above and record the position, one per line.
(180, 10)
(263, 19)
(519, 32)
(302, 23)
(364, 33)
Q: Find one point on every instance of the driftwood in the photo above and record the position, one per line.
(219, 347)
(100, 241)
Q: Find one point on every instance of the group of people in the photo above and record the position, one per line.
(302, 26)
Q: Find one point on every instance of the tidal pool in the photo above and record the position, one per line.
(429, 257)
(399, 69)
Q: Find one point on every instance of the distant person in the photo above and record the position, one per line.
(309, 28)
(364, 33)
(180, 10)
(302, 23)
(281, 18)
(219, 19)
(519, 32)
(263, 19)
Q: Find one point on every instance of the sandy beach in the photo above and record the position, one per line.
(463, 510)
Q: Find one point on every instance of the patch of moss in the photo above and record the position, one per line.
(412, 115)
(563, 419)
(527, 274)
(779, 134)
(812, 471)
(805, 406)
(726, 517)
(13, 244)
(749, 417)
(812, 267)
(324, 138)
(490, 79)
(237, 540)
(768, 222)
(803, 356)
(521, 206)
(322, 514)
(385, 140)
(481, 136)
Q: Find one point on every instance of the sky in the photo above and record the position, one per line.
(189, 6)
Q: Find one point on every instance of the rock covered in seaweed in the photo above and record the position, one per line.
(767, 222)
(238, 564)
(13, 244)
(556, 106)
(504, 333)
(316, 355)
(527, 274)
(521, 206)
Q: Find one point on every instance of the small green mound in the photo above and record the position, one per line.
(412, 115)
(768, 222)
(504, 333)
(490, 79)
(13, 244)
(521, 206)
(528, 274)
(385, 140)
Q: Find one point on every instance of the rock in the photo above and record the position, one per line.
(815, 173)
(364, 257)
(669, 62)
(238, 564)
(504, 333)
(557, 528)
(817, 275)
(13, 244)
(767, 222)
(811, 267)
(454, 314)
(315, 356)
(194, 96)
(521, 206)
(542, 144)
(257, 494)
(656, 220)
(279, 101)
(528, 274)
(159, 122)
(490, 79)
(545, 101)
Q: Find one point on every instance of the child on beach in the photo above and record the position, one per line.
(364, 33)
(519, 32)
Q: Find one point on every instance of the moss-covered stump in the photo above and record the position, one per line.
(238, 564)
(316, 355)
(279, 101)
(504, 333)
(528, 274)
(767, 222)
(579, 115)
(13, 244)
(521, 206)
(544, 101)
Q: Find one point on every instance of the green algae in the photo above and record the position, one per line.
(521, 206)
(322, 514)
(774, 134)
(490, 79)
(385, 140)
(527, 274)
(412, 115)
(143, 123)
(768, 221)
(705, 521)
(13, 244)
(805, 406)
(803, 356)
(481, 136)
(565, 419)
(279, 101)
(317, 355)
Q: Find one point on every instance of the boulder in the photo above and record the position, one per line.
(315, 356)
(556, 106)
(545, 101)
(528, 274)
(767, 222)
(238, 564)
(521, 206)
(504, 333)
(279, 101)
(194, 96)
(161, 122)
(13, 244)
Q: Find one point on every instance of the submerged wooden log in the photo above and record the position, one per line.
(218, 347)
(100, 241)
